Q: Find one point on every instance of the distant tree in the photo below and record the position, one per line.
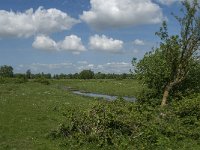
(28, 74)
(100, 75)
(20, 75)
(76, 76)
(55, 76)
(48, 76)
(86, 74)
(6, 71)
(70, 76)
(62, 76)
(38, 75)
(124, 76)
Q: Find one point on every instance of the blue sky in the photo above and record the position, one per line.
(67, 36)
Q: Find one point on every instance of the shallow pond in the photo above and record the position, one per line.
(104, 96)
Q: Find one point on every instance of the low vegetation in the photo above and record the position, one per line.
(30, 110)
(38, 116)
(124, 125)
(168, 72)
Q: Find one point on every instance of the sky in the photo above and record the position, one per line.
(68, 36)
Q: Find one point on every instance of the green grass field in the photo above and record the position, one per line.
(29, 111)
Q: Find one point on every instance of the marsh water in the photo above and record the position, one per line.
(104, 96)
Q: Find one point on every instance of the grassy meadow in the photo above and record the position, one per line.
(45, 115)
(29, 111)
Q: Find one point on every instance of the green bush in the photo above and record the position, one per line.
(125, 125)
(42, 81)
(20, 80)
(2, 80)
(13, 80)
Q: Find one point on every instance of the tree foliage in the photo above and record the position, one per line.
(28, 74)
(6, 71)
(86, 74)
(170, 65)
(154, 71)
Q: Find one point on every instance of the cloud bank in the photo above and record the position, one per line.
(138, 42)
(71, 43)
(110, 67)
(28, 23)
(106, 44)
(119, 13)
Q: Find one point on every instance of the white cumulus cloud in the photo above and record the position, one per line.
(110, 67)
(103, 43)
(119, 13)
(47, 68)
(138, 42)
(82, 62)
(69, 67)
(117, 67)
(30, 22)
(71, 43)
(44, 43)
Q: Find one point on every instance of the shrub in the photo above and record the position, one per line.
(2, 80)
(42, 81)
(20, 80)
(13, 80)
(125, 125)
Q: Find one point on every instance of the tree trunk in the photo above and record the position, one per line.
(166, 94)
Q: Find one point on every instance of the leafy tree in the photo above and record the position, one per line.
(170, 65)
(62, 76)
(6, 71)
(152, 70)
(86, 74)
(191, 84)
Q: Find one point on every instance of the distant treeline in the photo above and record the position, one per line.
(7, 71)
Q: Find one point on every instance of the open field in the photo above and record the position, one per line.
(29, 111)
(35, 116)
